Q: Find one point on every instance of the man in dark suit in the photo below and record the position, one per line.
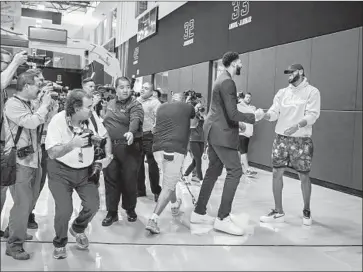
(221, 132)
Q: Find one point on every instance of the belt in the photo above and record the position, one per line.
(124, 141)
(119, 141)
(65, 165)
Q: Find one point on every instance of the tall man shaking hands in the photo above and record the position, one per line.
(221, 132)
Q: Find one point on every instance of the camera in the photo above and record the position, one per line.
(201, 109)
(193, 95)
(95, 140)
(57, 90)
(106, 89)
(25, 151)
(135, 94)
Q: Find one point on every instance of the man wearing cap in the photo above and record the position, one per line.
(296, 108)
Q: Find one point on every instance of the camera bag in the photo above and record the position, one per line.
(8, 160)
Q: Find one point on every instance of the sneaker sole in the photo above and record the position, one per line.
(59, 257)
(202, 222)
(152, 231)
(224, 231)
(277, 220)
(79, 245)
(307, 222)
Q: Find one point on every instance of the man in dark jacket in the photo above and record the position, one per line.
(221, 132)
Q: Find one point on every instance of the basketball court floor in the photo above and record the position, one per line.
(333, 242)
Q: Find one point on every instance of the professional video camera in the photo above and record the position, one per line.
(192, 94)
(194, 99)
(106, 89)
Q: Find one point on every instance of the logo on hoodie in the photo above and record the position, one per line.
(290, 101)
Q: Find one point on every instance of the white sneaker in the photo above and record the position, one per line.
(196, 218)
(307, 220)
(273, 217)
(228, 226)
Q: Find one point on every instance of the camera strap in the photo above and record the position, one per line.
(18, 132)
(28, 105)
(94, 123)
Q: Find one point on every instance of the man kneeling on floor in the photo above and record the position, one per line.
(171, 136)
(70, 148)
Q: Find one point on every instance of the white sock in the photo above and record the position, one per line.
(154, 217)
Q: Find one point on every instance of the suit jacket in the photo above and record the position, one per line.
(221, 125)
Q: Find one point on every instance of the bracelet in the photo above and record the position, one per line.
(299, 126)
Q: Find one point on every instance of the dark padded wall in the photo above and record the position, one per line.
(333, 64)
(358, 103)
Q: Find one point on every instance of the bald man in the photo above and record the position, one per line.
(171, 137)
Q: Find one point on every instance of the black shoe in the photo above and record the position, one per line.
(141, 194)
(156, 197)
(1, 233)
(31, 222)
(109, 220)
(131, 215)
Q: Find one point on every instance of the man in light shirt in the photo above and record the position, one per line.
(22, 121)
(246, 133)
(71, 156)
(296, 108)
(150, 104)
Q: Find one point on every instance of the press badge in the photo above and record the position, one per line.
(80, 157)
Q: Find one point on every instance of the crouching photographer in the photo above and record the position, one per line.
(72, 135)
(20, 160)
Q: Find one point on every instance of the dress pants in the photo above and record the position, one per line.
(220, 156)
(121, 176)
(154, 174)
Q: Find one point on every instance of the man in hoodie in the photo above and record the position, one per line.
(296, 108)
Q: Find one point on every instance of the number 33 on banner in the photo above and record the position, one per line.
(240, 8)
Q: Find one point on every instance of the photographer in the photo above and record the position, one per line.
(8, 69)
(23, 118)
(53, 109)
(196, 140)
(70, 144)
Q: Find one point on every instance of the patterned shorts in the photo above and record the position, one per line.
(293, 152)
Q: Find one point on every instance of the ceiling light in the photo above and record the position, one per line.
(38, 25)
(41, 7)
(39, 21)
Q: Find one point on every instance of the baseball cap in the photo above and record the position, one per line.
(292, 68)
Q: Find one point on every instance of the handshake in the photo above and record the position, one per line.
(259, 114)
